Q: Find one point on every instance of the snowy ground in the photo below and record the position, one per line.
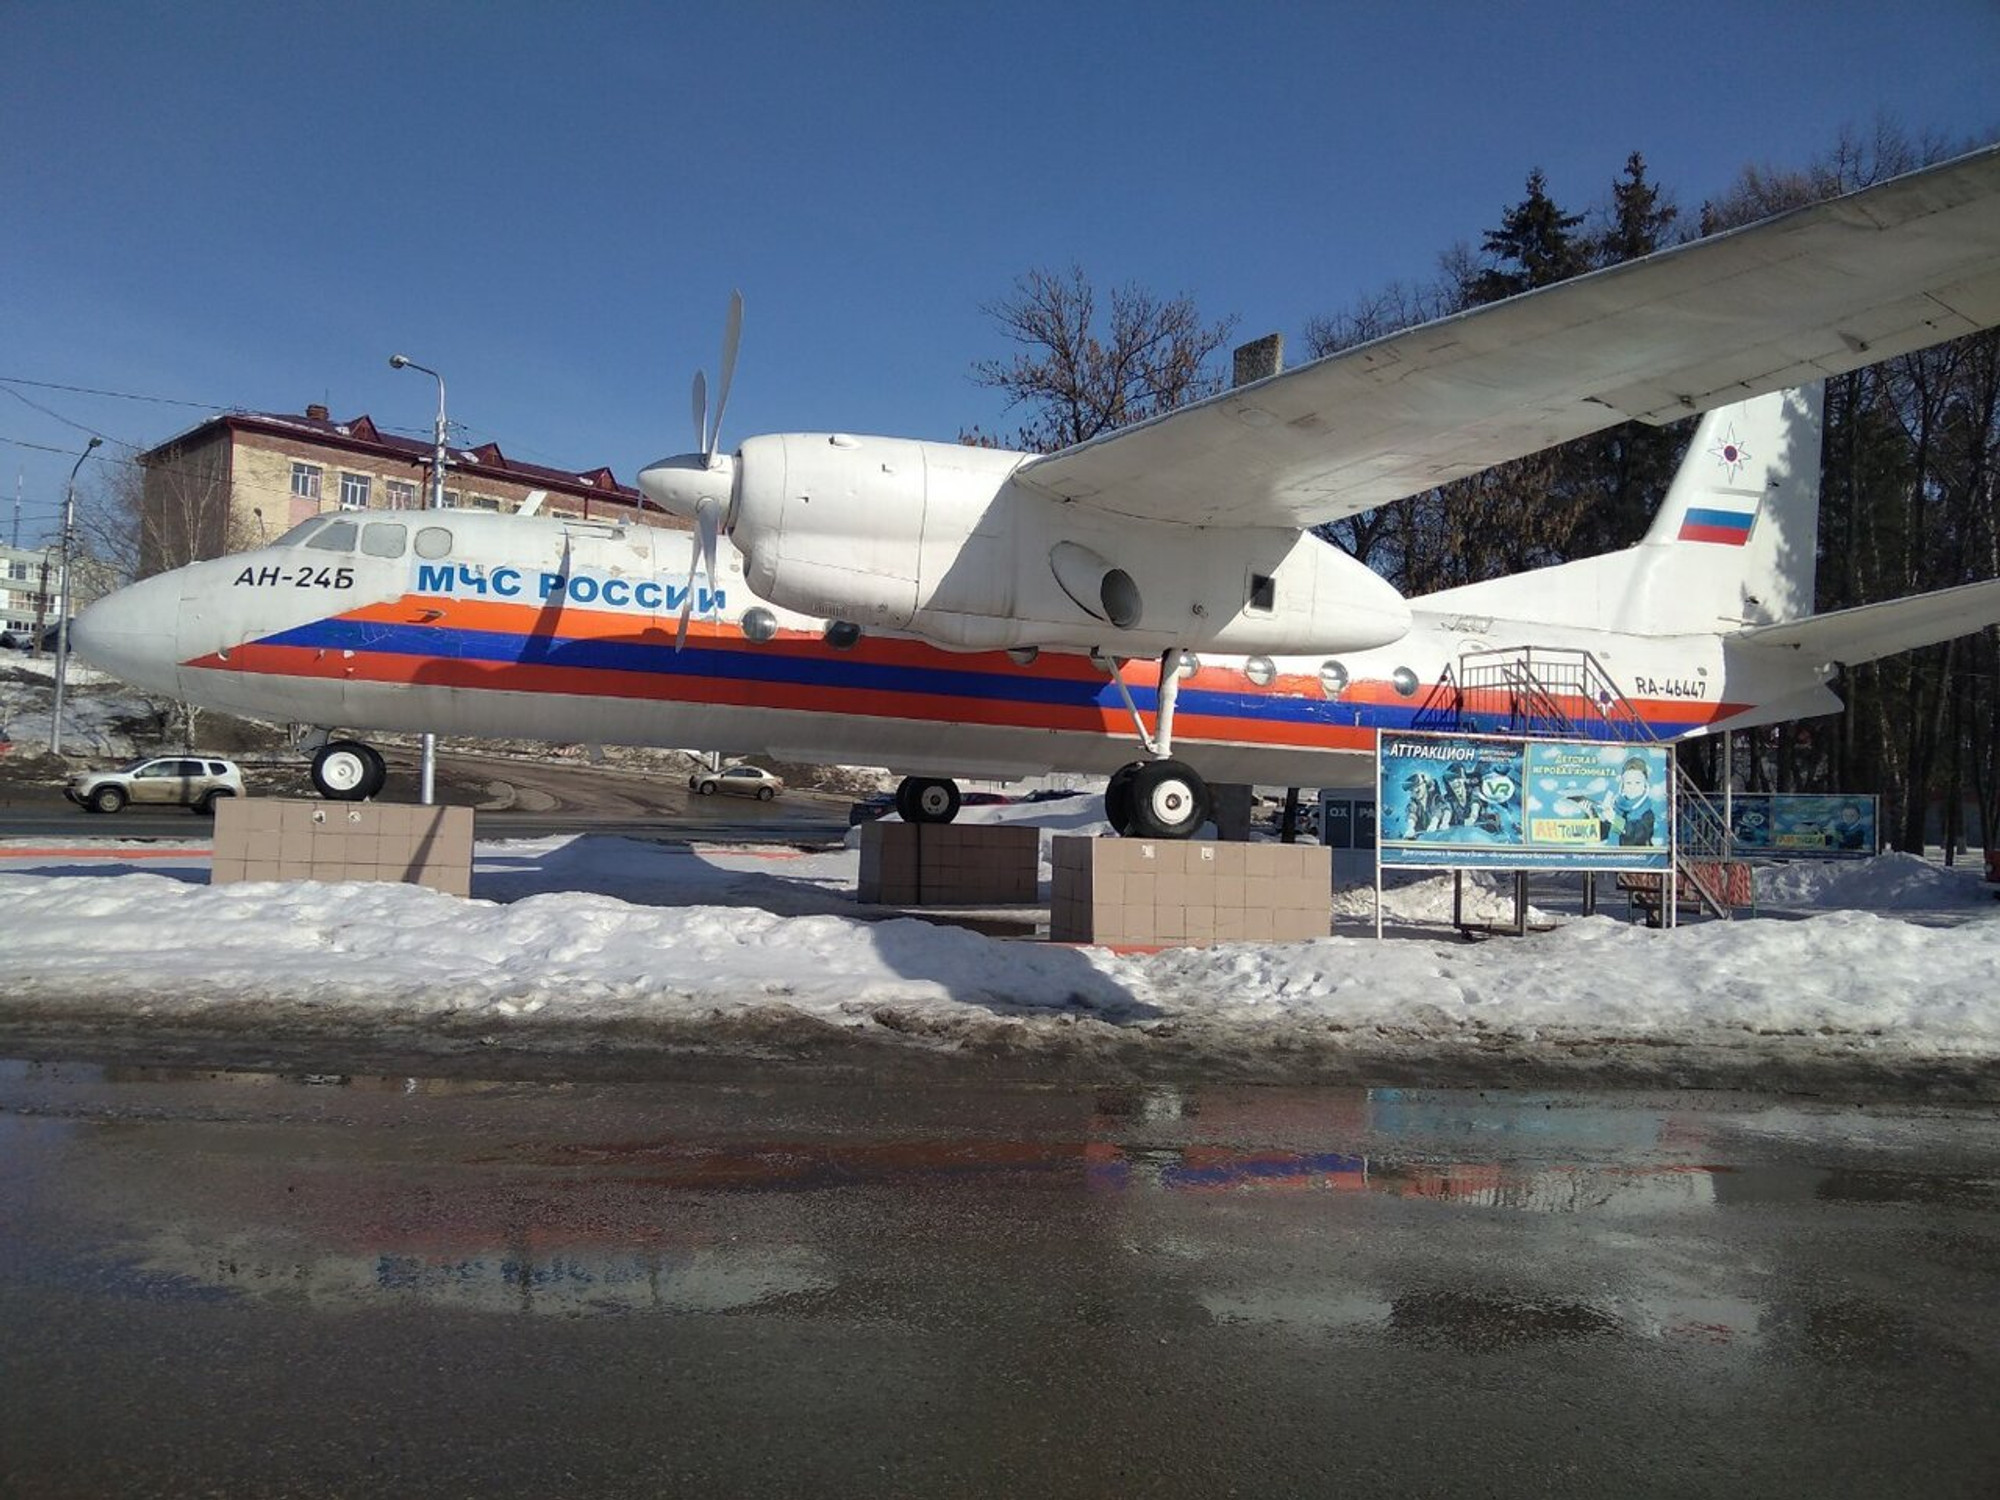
(1887, 970)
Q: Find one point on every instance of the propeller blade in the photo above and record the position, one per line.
(707, 522)
(687, 596)
(732, 336)
(700, 411)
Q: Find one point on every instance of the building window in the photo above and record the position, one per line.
(451, 499)
(402, 495)
(305, 481)
(485, 502)
(17, 570)
(353, 491)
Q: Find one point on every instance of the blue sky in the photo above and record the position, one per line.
(254, 205)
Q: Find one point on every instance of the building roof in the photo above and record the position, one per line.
(360, 435)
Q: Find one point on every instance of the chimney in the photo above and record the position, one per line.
(1265, 356)
(316, 413)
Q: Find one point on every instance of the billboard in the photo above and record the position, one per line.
(1459, 801)
(1789, 824)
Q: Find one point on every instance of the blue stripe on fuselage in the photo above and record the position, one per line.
(833, 674)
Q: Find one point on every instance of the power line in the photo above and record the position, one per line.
(85, 390)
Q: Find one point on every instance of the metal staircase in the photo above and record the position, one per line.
(1559, 693)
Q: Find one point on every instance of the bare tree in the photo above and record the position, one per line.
(1079, 378)
(140, 520)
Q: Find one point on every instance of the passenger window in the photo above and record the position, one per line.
(337, 537)
(1263, 593)
(216, 768)
(158, 770)
(384, 538)
(434, 541)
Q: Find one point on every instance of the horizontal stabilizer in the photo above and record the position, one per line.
(1871, 631)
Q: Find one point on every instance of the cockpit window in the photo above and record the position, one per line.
(300, 532)
(337, 537)
(434, 541)
(384, 538)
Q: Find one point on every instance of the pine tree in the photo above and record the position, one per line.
(1535, 245)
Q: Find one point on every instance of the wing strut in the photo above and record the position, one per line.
(1160, 743)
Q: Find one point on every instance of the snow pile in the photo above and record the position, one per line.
(1888, 882)
(696, 946)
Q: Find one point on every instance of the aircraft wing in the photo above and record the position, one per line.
(1871, 631)
(1785, 301)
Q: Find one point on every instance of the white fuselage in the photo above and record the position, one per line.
(512, 627)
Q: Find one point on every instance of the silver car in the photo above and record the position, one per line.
(160, 780)
(742, 781)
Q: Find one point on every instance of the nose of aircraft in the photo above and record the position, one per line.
(134, 634)
(680, 484)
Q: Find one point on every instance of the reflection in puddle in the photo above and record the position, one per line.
(608, 1204)
(580, 1282)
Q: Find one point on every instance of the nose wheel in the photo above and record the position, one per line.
(348, 771)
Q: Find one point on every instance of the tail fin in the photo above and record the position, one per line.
(1733, 544)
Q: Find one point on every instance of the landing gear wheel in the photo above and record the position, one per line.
(1169, 801)
(1118, 798)
(924, 799)
(348, 771)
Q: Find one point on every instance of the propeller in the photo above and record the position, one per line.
(708, 510)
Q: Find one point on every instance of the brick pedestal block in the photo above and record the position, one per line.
(269, 838)
(1166, 893)
(948, 864)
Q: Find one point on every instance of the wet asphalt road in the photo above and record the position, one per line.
(246, 1284)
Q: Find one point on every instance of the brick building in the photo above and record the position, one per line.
(240, 480)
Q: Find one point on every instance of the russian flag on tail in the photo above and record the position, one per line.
(1721, 514)
(1712, 522)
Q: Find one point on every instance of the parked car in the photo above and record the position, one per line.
(158, 780)
(739, 781)
(868, 809)
(12, 641)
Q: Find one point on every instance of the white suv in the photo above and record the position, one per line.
(171, 780)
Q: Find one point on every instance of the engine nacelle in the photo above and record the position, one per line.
(935, 540)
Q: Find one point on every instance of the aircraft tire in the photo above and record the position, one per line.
(926, 799)
(348, 771)
(1169, 801)
(1118, 798)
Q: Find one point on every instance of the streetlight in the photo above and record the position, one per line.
(427, 779)
(62, 608)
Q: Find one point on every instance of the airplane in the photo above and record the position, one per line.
(948, 611)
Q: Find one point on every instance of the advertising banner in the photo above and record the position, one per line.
(1792, 824)
(1507, 803)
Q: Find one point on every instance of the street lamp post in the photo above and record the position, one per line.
(62, 608)
(427, 780)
